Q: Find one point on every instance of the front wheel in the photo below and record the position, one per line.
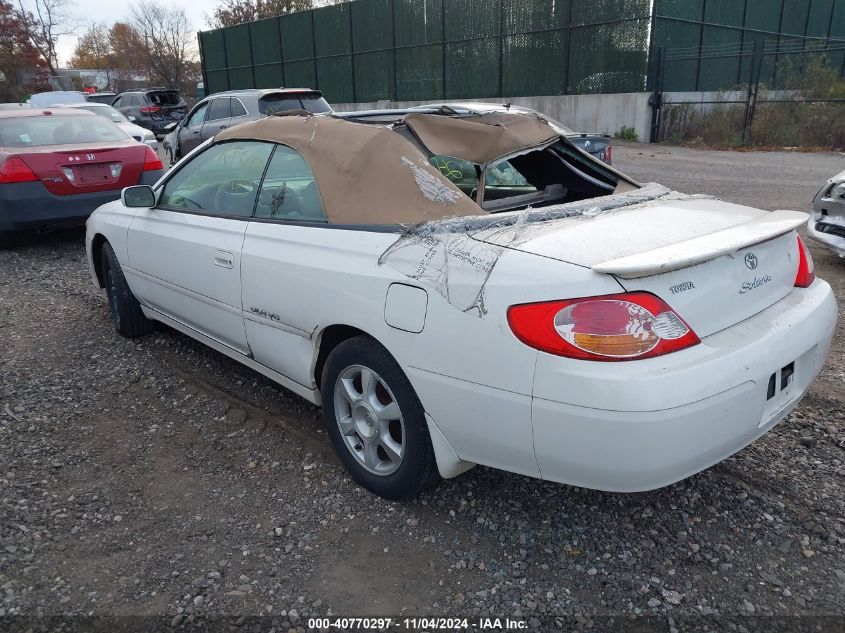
(126, 312)
(375, 420)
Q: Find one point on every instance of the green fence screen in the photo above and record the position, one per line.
(413, 50)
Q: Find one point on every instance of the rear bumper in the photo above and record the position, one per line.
(723, 400)
(30, 206)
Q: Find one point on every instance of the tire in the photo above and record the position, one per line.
(129, 319)
(7, 240)
(390, 457)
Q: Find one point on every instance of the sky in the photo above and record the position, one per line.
(87, 11)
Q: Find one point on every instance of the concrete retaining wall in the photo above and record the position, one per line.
(605, 114)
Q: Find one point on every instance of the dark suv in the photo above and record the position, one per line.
(153, 109)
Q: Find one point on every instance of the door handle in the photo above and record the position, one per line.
(222, 127)
(224, 259)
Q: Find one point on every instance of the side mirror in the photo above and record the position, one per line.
(138, 197)
(131, 118)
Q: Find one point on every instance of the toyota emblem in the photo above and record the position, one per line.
(751, 261)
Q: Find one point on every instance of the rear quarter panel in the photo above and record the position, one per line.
(472, 375)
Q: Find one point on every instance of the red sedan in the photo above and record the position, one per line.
(58, 165)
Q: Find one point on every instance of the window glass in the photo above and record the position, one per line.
(224, 179)
(282, 102)
(461, 172)
(238, 108)
(289, 191)
(504, 174)
(199, 115)
(107, 112)
(117, 102)
(219, 109)
(32, 131)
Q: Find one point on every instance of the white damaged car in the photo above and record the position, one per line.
(461, 289)
(827, 222)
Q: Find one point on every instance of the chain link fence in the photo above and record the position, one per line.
(788, 93)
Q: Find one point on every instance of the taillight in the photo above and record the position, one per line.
(628, 326)
(608, 154)
(14, 170)
(806, 268)
(151, 160)
(150, 109)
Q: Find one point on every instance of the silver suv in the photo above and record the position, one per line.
(225, 109)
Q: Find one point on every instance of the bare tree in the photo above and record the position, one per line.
(52, 19)
(168, 40)
(231, 12)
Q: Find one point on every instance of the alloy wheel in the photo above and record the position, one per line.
(370, 420)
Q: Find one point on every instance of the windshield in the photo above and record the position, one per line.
(35, 131)
(281, 102)
(107, 112)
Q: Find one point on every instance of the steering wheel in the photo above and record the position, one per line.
(179, 201)
(232, 189)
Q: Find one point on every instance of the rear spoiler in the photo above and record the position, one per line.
(703, 248)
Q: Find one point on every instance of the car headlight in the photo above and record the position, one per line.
(149, 136)
(837, 190)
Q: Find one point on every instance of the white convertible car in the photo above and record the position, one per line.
(461, 289)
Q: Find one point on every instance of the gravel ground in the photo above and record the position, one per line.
(160, 478)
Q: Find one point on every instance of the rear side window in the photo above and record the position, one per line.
(223, 180)
(283, 102)
(237, 107)
(35, 131)
(461, 172)
(164, 98)
(289, 190)
(219, 109)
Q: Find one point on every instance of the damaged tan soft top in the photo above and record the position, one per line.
(482, 138)
(366, 174)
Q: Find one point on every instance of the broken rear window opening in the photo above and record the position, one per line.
(552, 174)
(164, 98)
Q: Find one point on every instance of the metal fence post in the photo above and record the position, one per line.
(501, 48)
(226, 58)
(352, 52)
(443, 42)
(656, 100)
(281, 49)
(700, 44)
(393, 32)
(753, 87)
(314, 51)
(251, 55)
(203, 68)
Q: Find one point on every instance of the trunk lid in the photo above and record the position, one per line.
(714, 263)
(96, 167)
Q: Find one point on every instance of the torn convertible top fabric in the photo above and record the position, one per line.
(482, 138)
(367, 174)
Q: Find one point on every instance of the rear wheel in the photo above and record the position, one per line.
(126, 312)
(6, 240)
(375, 420)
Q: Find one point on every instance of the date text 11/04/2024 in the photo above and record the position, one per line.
(415, 624)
